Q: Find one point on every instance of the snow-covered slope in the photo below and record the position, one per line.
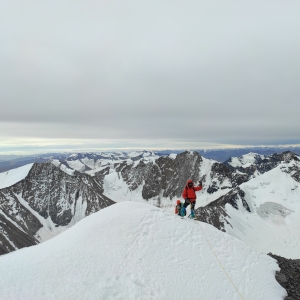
(245, 160)
(137, 251)
(13, 176)
(263, 212)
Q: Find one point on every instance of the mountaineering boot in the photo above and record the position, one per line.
(183, 211)
(192, 214)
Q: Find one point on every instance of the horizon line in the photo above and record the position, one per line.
(150, 149)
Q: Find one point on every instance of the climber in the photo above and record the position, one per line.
(189, 196)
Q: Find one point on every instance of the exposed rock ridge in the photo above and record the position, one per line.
(222, 173)
(51, 192)
(215, 213)
(289, 276)
(165, 175)
(12, 237)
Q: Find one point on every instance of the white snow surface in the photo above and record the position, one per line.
(137, 251)
(13, 176)
(274, 222)
(64, 168)
(76, 165)
(245, 160)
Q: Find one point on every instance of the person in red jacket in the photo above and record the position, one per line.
(189, 196)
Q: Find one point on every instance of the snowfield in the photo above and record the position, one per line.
(246, 160)
(136, 251)
(274, 222)
(13, 176)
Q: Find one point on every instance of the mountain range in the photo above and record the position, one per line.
(252, 197)
(8, 162)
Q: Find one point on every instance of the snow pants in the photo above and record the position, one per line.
(188, 202)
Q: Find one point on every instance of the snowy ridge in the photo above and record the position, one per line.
(246, 160)
(64, 168)
(13, 176)
(147, 260)
(263, 212)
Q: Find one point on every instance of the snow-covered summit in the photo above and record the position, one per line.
(13, 176)
(137, 251)
(245, 160)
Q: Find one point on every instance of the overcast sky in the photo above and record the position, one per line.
(148, 74)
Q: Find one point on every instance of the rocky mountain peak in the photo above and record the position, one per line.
(47, 196)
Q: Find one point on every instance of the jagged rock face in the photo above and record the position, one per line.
(165, 177)
(215, 213)
(17, 224)
(16, 212)
(221, 173)
(137, 175)
(152, 186)
(13, 237)
(166, 174)
(51, 192)
(48, 191)
(294, 171)
(274, 160)
(185, 166)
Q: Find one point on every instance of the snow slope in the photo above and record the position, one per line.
(245, 160)
(274, 222)
(137, 251)
(13, 176)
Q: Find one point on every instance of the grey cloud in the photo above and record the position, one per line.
(224, 72)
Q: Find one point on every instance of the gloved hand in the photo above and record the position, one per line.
(200, 183)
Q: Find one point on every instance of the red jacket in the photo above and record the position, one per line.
(189, 192)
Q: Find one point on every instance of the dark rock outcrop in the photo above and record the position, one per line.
(222, 173)
(289, 276)
(13, 237)
(165, 174)
(215, 213)
(51, 192)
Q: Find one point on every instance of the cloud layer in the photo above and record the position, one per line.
(185, 71)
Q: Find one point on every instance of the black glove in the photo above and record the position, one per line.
(200, 183)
